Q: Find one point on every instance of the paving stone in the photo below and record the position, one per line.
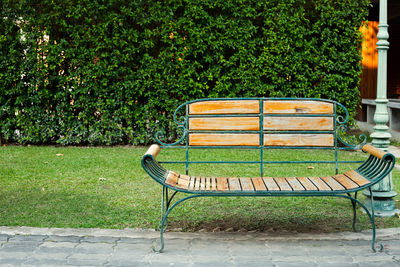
(136, 240)
(69, 238)
(126, 263)
(11, 261)
(132, 249)
(56, 247)
(254, 248)
(4, 237)
(94, 248)
(381, 264)
(19, 246)
(252, 261)
(294, 264)
(99, 239)
(80, 259)
(161, 257)
(209, 247)
(37, 238)
(45, 262)
(175, 264)
(336, 259)
(341, 264)
(212, 263)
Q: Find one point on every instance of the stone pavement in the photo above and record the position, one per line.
(23, 246)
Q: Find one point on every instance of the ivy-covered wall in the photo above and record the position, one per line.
(113, 71)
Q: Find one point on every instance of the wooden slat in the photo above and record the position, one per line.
(298, 123)
(202, 183)
(320, 184)
(208, 183)
(308, 185)
(197, 183)
(270, 184)
(297, 107)
(295, 184)
(225, 107)
(345, 181)
(322, 140)
(213, 183)
(356, 177)
(183, 181)
(191, 182)
(258, 184)
(200, 139)
(225, 123)
(172, 178)
(283, 184)
(234, 184)
(246, 184)
(222, 184)
(332, 183)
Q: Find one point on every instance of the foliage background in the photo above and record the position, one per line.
(113, 72)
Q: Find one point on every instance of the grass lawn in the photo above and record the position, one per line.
(106, 187)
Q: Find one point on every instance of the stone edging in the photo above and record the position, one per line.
(388, 233)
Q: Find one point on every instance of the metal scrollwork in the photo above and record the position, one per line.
(181, 122)
(341, 129)
(160, 134)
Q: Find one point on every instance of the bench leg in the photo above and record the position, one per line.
(164, 220)
(165, 204)
(354, 204)
(371, 218)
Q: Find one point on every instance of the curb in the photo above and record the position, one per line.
(388, 233)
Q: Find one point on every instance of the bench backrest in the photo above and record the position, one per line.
(259, 123)
(270, 123)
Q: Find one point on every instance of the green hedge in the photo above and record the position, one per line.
(107, 72)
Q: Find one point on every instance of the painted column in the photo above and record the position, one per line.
(384, 204)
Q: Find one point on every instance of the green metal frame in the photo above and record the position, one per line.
(373, 169)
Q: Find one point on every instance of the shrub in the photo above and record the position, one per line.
(103, 72)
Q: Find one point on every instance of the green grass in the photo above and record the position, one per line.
(39, 188)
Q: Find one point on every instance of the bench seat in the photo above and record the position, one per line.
(349, 181)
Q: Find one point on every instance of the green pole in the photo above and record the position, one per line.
(383, 193)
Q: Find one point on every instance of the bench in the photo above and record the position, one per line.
(263, 124)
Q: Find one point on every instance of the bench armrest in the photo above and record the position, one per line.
(153, 150)
(379, 153)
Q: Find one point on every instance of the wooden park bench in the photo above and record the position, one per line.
(263, 124)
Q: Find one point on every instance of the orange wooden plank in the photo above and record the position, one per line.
(332, 183)
(345, 181)
(357, 178)
(258, 184)
(172, 178)
(320, 184)
(297, 107)
(322, 140)
(225, 123)
(222, 184)
(183, 181)
(213, 183)
(246, 184)
(270, 184)
(191, 182)
(202, 183)
(200, 139)
(234, 184)
(295, 184)
(298, 123)
(283, 184)
(308, 185)
(208, 183)
(197, 183)
(225, 107)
